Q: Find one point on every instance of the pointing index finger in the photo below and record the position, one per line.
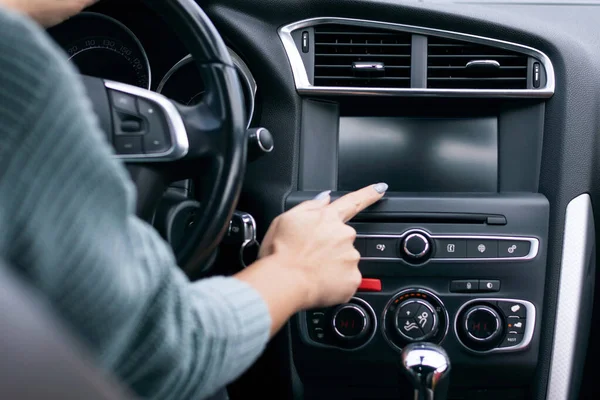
(350, 205)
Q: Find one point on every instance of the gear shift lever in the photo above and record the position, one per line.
(428, 367)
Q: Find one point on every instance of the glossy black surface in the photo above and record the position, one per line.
(419, 155)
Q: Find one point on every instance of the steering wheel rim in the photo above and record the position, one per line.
(215, 130)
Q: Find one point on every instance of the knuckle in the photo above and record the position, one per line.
(355, 256)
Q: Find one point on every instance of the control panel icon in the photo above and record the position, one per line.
(481, 248)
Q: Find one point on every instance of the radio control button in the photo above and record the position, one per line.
(381, 247)
(477, 248)
(451, 248)
(513, 249)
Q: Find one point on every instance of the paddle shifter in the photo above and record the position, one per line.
(428, 367)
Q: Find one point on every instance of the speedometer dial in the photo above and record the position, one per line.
(103, 47)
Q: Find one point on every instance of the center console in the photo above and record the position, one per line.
(455, 253)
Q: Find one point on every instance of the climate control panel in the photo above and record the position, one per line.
(495, 325)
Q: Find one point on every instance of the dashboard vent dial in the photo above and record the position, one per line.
(357, 56)
(453, 64)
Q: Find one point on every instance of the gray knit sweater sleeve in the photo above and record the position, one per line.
(69, 228)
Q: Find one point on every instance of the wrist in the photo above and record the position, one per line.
(296, 279)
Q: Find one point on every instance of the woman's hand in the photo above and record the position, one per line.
(308, 257)
(48, 12)
(318, 244)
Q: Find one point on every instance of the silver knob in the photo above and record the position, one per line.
(428, 367)
(416, 246)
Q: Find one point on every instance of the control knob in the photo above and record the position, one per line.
(351, 322)
(481, 326)
(416, 248)
(416, 320)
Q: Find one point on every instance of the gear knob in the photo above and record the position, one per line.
(428, 367)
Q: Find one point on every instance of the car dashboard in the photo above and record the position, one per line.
(482, 118)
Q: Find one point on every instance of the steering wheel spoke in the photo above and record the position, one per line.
(161, 141)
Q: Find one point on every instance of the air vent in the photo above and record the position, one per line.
(347, 55)
(455, 64)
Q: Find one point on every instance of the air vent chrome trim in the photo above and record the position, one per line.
(303, 85)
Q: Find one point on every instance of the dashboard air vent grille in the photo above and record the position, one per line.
(453, 64)
(347, 55)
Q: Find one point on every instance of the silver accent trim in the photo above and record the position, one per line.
(527, 335)
(433, 314)
(263, 148)
(360, 311)
(238, 63)
(533, 251)
(402, 292)
(578, 244)
(307, 339)
(180, 145)
(483, 63)
(368, 65)
(420, 236)
(493, 314)
(127, 31)
(303, 85)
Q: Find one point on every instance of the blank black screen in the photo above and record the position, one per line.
(418, 154)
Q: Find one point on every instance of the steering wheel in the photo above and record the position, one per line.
(161, 141)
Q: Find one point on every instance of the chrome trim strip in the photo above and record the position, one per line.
(527, 335)
(238, 63)
(179, 139)
(533, 251)
(307, 339)
(129, 32)
(578, 244)
(303, 85)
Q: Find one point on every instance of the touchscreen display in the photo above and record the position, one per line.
(418, 154)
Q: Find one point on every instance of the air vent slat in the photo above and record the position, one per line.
(488, 67)
(356, 56)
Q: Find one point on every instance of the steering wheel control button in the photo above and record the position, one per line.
(482, 324)
(350, 321)
(156, 137)
(482, 248)
(451, 248)
(381, 248)
(123, 102)
(516, 325)
(128, 144)
(464, 286)
(416, 320)
(486, 285)
(511, 340)
(513, 249)
(370, 285)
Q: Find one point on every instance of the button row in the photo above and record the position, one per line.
(449, 249)
(475, 286)
(515, 317)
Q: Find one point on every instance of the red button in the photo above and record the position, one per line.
(370, 285)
